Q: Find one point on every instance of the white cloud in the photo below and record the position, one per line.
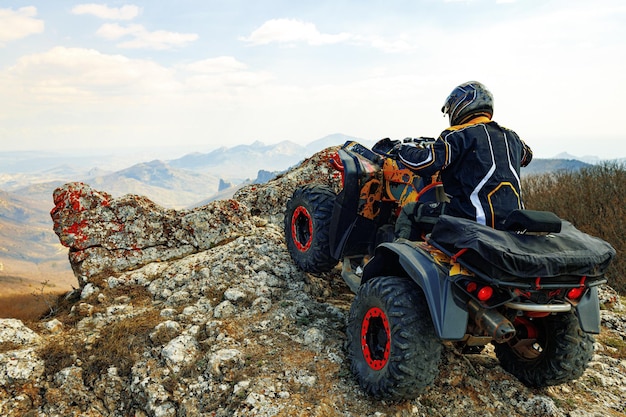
(82, 97)
(141, 38)
(288, 31)
(224, 77)
(126, 12)
(113, 31)
(77, 75)
(220, 64)
(292, 31)
(18, 24)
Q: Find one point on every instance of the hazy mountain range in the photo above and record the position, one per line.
(29, 248)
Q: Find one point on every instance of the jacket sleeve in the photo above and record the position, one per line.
(527, 154)
(426, 161)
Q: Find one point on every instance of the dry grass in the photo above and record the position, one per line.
(58, 353)
(592, 199)
(119, 345)
(615, 344)
(27, 307)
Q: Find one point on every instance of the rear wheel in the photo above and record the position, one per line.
(307, 228)
(392, 345)
(547, 351)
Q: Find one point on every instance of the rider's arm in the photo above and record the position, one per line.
(426, 160)
(527, 154)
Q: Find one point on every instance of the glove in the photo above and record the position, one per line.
(386, 146)
(423, 141)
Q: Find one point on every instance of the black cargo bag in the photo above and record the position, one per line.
(418, 218)
(506, 255)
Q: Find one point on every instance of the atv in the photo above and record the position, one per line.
(530, 289)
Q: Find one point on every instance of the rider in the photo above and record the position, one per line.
(478, 161)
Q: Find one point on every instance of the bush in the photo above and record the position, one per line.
(592, 199)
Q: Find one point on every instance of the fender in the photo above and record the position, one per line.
(588, 311)
(403, 258)
(350, 234)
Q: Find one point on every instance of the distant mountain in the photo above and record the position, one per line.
(159, 181)
(243, 162)
(227, 190)
(30, 252)
(589, 159)
(542, 166)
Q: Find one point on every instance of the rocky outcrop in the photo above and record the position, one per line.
(202, 313)
(108, 236)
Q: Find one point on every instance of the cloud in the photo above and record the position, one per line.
(78, 75)
(216, 65)
(224, 75)
(288, 31)
(18, 24)
(292, 31)
(126, 12)
(83, 97)
(141, 38)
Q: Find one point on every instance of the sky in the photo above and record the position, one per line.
(201, 74)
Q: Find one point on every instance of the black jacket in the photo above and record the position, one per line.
(479, 164)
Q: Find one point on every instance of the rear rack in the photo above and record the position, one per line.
(540, 308)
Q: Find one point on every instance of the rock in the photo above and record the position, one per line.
(14, 332)
(18, 367)
(180, 352)
(225, 358)
(53, 326)
(88, 290)
(107, 235)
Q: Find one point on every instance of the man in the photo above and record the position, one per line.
(478, 161)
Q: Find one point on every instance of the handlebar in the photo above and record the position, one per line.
(389, 148)
(422, 140)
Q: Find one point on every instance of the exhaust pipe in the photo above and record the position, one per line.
(492, 323)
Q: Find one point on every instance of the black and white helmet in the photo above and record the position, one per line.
(467, 101)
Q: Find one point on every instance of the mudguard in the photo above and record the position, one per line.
(351, 234)
(588, 311)
(404, 258)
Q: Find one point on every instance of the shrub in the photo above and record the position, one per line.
(592, 199)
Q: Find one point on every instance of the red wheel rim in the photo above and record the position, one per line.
(375, 338)
(302, 229)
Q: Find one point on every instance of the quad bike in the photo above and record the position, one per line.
(531, 289)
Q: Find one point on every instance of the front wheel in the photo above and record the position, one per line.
(307, 227)
(549, 351)
(392, 345)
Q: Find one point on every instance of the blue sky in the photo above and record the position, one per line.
(203, 74)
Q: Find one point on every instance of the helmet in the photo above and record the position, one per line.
(467, 101)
